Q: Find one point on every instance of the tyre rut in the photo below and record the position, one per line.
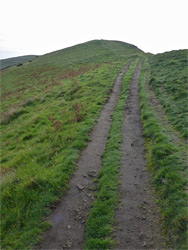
(69, 217)
(137, 219)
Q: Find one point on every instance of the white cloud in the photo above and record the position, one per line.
(41, 26)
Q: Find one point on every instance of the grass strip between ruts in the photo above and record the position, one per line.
(168, 170)
(99, 231)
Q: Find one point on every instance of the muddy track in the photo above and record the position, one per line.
(68, 219)
(137, 217)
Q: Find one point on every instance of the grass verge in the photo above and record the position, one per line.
(169, 81)
(99, 231)
(169, 170)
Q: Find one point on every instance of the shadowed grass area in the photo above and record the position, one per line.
(168, 168)
(19, 60)
(99, 231)
(48, 108)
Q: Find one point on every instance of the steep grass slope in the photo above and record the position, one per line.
(170, 82)
(5, 63)
(166, 158)
(48, 108)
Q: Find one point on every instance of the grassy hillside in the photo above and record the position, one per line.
(170, 82)
(5, 63)
(48, 108)
(168, 166)
(167, 75)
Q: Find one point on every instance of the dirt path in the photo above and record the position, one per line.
(138, 217)
(68, 219)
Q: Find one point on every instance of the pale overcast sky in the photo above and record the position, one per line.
(41, 26)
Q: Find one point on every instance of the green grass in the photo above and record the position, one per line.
(170, 83)
(169, 170)
(48, 108)
(99, 232)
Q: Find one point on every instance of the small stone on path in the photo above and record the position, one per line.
(80, 187)
(145, 244)
(69, 244)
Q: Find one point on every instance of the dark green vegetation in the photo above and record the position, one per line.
(48, 108)
(169, 79)
(6, 63)
(168, 168)
(99, 231)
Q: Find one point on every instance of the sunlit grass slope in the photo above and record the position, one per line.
(169, 80)
(48, 108)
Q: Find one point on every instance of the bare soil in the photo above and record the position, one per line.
(69, 217)
(137, 219)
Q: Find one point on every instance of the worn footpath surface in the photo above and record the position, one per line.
(69, 217)
(137, 219)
